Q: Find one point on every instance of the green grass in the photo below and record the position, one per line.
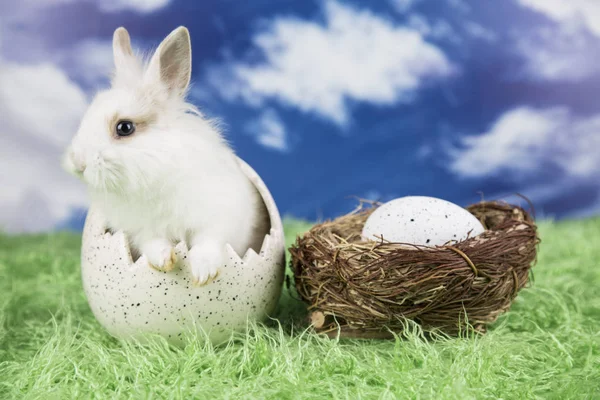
(548, 346)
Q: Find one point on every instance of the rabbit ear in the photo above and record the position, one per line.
(122, 52)
(171, 64)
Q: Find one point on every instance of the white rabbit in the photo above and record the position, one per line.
(157, 169)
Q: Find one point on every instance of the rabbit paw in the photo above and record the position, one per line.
(205, 261)
(160, 254)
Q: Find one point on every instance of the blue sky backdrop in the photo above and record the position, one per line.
(326, 100)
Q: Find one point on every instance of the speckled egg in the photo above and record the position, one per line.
(130, 299)
(421, 220)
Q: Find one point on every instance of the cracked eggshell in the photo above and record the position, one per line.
(130, 299)
(421, 220)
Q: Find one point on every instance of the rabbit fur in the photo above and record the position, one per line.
(175, 178)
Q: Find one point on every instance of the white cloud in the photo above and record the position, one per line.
(354, 56)
(571, 12)
(142, 6)
(424, 151)
(460, 5)
(41, 101)
(439, 30)
(524, 138)
(566, 52)
(516, 141)
(270, 131)
(136, 5)
(442, 30)
(403, 6)
(89, 61)
(479, 32)
(558, 55)
(40, 110)
(525, 142)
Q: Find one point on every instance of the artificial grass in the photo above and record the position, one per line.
(547, 346)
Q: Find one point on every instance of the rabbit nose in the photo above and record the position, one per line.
(78, 162)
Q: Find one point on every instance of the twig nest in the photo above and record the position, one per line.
(356, 288)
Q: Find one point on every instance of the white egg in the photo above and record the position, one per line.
(421, 220)
(130, 299)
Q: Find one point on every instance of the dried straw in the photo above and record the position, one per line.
(369, 289)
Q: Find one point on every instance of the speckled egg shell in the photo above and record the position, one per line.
(131, 299)
(421, 220)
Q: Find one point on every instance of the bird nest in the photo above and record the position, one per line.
(355, 288)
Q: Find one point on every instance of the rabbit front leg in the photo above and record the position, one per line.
(206, 257)
(160, 254)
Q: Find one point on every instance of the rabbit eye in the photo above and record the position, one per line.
(125, 128)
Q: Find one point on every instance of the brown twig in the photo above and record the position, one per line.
(371, 287)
